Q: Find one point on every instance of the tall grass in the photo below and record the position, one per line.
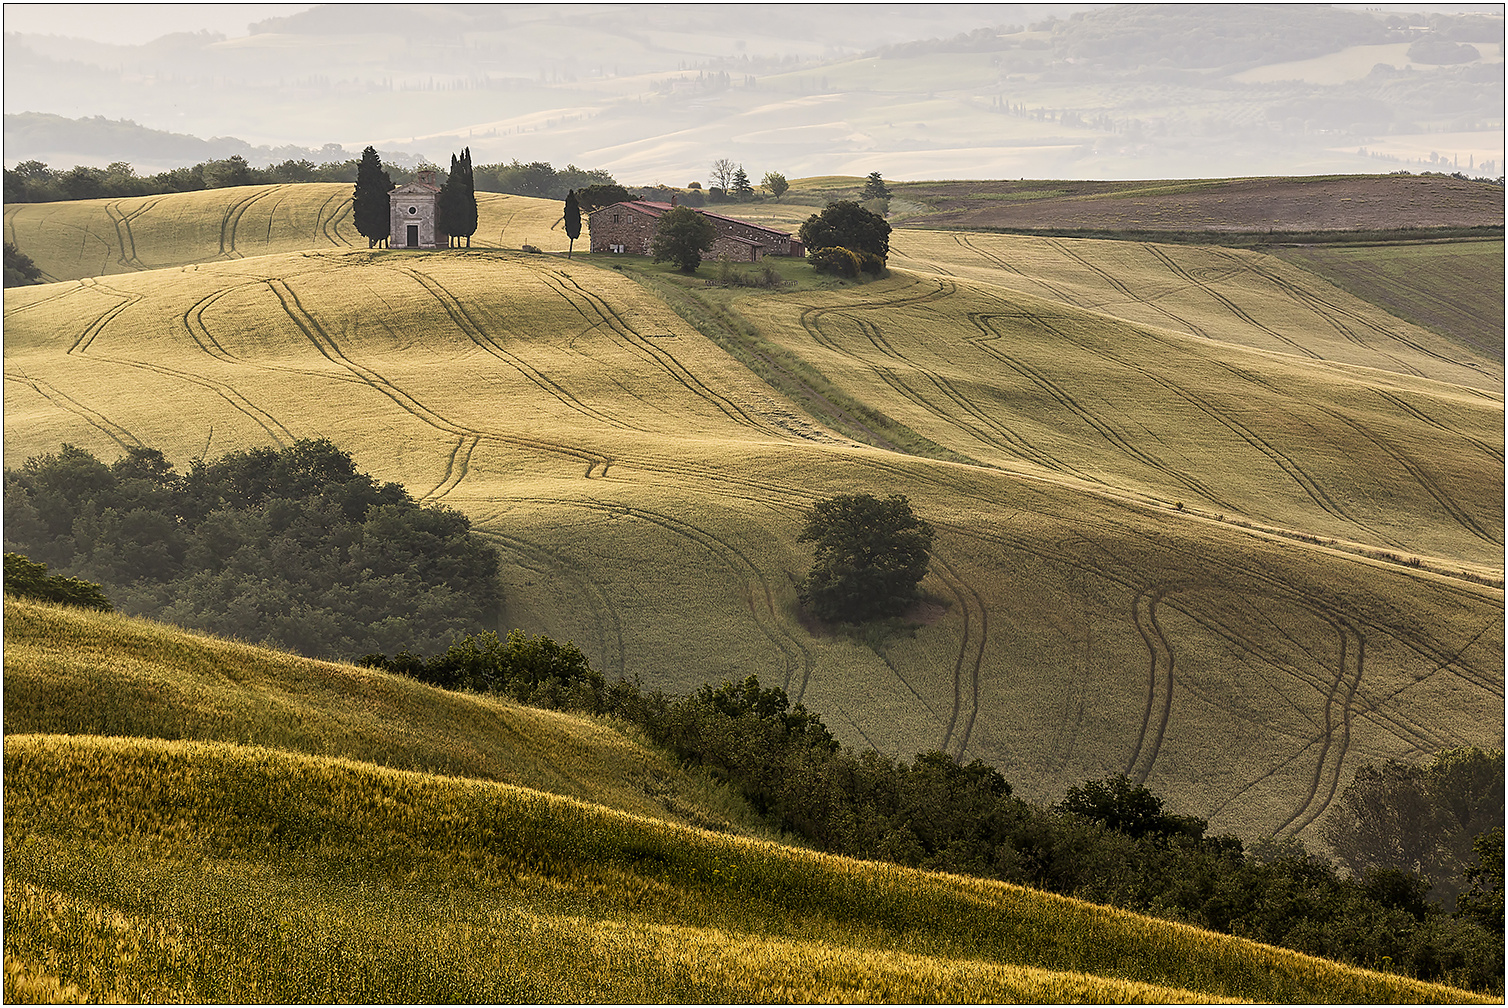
(151, 870)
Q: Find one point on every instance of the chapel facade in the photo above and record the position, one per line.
(629, 228)
(415, 211)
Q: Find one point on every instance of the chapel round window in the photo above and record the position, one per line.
(413, 210)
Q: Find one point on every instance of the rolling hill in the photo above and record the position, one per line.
(1203, 517)
(147, 862)
(87, 238)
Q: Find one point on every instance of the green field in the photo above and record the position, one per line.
(170, 863)
(1203, 518)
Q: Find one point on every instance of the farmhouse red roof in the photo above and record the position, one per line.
(656, 209)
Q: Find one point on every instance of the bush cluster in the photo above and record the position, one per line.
(1108, 841)
(293, 548)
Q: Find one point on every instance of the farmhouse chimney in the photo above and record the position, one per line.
(673, 198)
(425, 176)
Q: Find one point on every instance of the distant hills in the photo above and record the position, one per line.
(657, 92)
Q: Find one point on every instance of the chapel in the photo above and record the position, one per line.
(416, 214)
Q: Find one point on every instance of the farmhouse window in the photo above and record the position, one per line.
(412, 210)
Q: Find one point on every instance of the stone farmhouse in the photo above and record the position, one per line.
(416, 214)
(628, 228)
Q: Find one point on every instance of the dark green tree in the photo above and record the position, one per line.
(369, 201)
(776, 184)
(463, 208)
(1418, 818)
(681, 237)
(27, 579)
(870, 556)
(19, 269)
(850, 226)
(601, 194)
(572, 220)
(1483, 899)
(1127, 807)
(874, 188)
(742, 188)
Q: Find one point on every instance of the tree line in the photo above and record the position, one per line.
(35, 182)
(1109, 841)
(294, 547)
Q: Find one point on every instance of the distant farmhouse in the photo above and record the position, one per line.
(628, 228)
(416, 214)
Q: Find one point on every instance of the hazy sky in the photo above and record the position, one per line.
(134, 23)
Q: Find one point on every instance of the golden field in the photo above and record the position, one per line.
(237, 840)
(1203, 518)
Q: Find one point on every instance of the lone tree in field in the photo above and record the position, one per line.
(681, 237)
(846, 224)
(776, 184)
(871, 555)
(874, 188)
(572, 220)
(369, 203)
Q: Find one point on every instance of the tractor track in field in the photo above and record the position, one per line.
(331, 351)
(1339, 693)
(1063, 249)
(1429, 483)
(112, 430)
(1310, 299)
(232, 220)
(1299, 476)
(1116, 439)
(796, 656)
(973, 642)
(993, 432)
(94, 328)
(1495, 452)
(327, 224)
(606, 621)
(72, 288)
(232, 396)
(456, 466)
(586, 304)
(123, 234)
(473, 330)
(1231, 306)
(1057, 293)
(1159, 675)
(1332, 317)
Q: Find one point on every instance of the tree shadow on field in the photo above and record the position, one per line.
(878, 635)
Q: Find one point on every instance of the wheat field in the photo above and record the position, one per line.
(85, 238)
(142, 870)
(1202, 519)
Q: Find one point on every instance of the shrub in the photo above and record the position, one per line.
(837, 260)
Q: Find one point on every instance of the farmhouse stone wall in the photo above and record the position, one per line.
(417, 205)
(629, 228)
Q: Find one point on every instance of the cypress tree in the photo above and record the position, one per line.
(465, 209)
(446, 204)
(369, 201)
(572, 220)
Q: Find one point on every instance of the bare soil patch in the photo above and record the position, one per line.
(1284, 205)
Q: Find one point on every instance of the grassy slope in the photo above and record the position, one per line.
(141, 869)
(147, 680)
(85, 238)
(1452, 288)
(646, 489)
